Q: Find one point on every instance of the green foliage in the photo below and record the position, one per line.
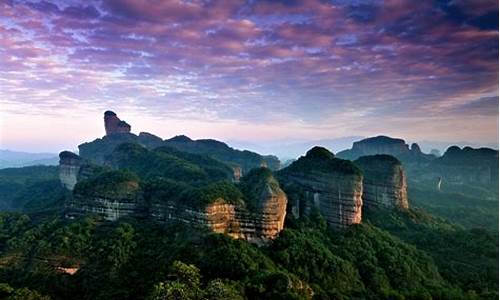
(112, 184)
(131, 259)
(472, 208)
(30, 188)
(187, 285)
(167, 163)
(218, 190)
(9, 293)
(465, 258)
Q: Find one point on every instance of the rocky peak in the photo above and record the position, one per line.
(114, 125)
(415, 148)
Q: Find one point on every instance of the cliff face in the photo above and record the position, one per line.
(261, 219)
(384, 181)
(69, 168)
(115, 194)
(230, 219)
(111, 194)
(319, 180)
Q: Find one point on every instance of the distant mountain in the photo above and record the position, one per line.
(386, 145)
(427, 145)
(14, 159)
(293, 149)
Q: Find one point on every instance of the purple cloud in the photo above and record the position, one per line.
(255, 62)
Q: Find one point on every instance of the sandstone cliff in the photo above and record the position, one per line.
(116, 194)
(384, 181)
(319, 180)
(111, 194)
(73, 168)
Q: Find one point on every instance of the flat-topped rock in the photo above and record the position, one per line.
(320, 181)
(384, 181)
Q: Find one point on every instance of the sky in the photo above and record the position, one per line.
(253, 71)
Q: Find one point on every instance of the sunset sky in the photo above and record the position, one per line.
(248, 70)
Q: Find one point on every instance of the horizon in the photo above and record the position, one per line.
(256, 72)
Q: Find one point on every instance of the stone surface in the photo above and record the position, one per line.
(73, 168)
(114, 125)
(69, 168)
(319, 180)
(384, 182)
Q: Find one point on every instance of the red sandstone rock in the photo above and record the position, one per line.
(114, 125)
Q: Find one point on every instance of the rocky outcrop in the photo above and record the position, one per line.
(114, 125)
(331, 185)
(73, 168)
(69, 168)
(384, 182)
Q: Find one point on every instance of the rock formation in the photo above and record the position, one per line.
(115, 194)
(69, 168)
(233, 220)
(319, 180)
(114, 125)
(384, 181)
(73, 168)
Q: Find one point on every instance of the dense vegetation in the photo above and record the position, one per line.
(30, 188)
(168, 163)
(449, 254)
(394, 255)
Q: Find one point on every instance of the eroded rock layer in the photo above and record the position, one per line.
(319, 180)
(384, 181)
(116, 194)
